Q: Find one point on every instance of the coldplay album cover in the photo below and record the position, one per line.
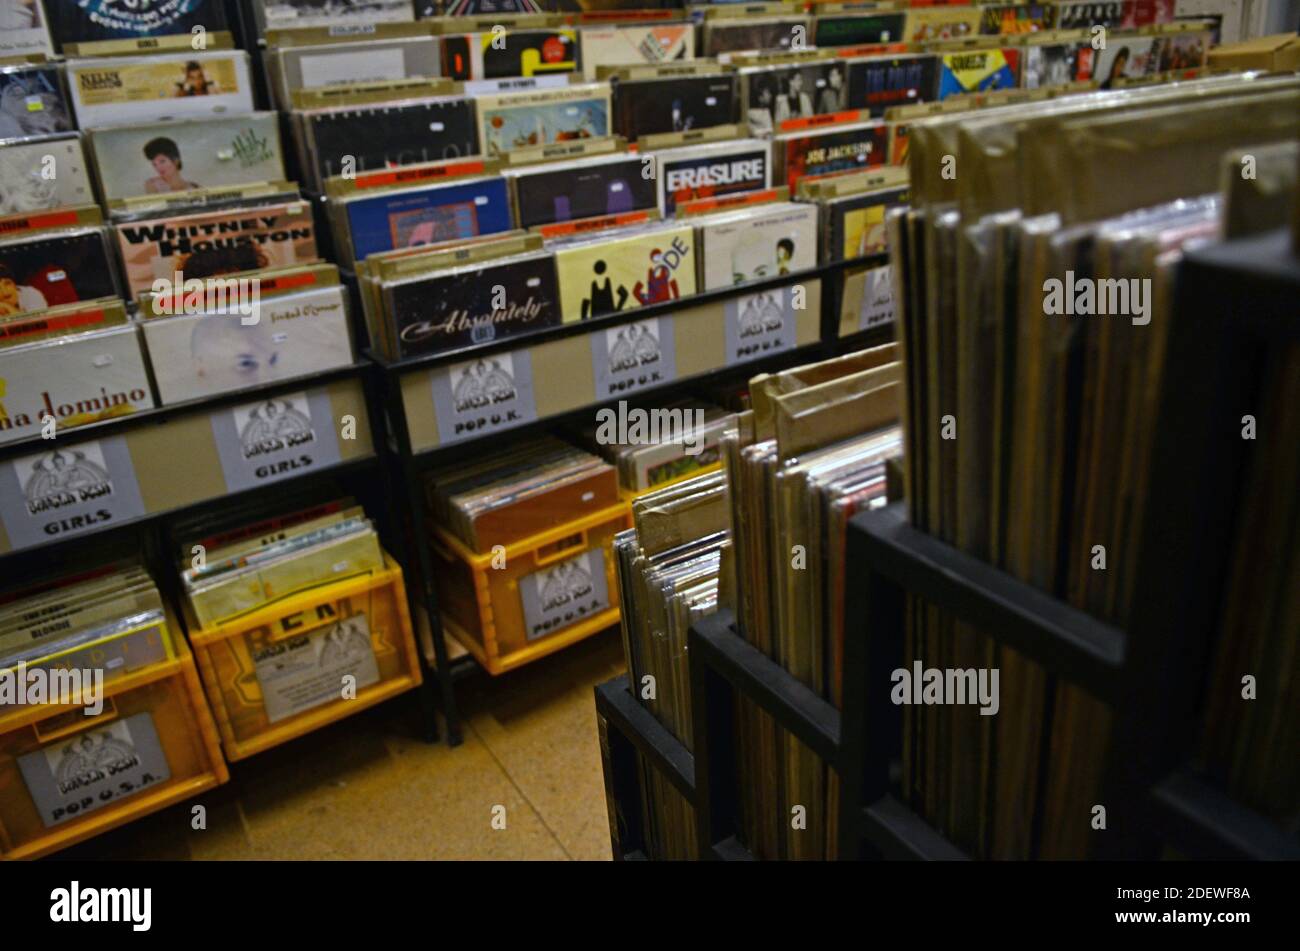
(677, 104)
(181, 156)
(88, 21)
(977, 71)
(23, 30)
(39, 174)
(210, 244)
(474, 304)
(857, 222)
(714, 170)
(729, 36)
(625, 270)
(774, 94)
(859, 29)
(198, 355)
(417, 130)
(941, 23)
(61, 267)
(361, 61)
(293, 14)
(123, 90)
(32, 102)
(757, 243)
(635, 46)
(1055, 64)
(1011, 19)
(831, 150)
(520, 120)
(509, 54)
(413, 217)
(586, 188)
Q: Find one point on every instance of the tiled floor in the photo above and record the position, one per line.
(369, 788)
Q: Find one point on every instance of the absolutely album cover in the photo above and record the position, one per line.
(413, 217)
(23, 29)
(361, 61)
(714, 170)
(881, 82)
(475, 304)
(32, 102)
(209, 244)
(583, 189)
(856, 226)
(859, 29)
(679, 104)
(520, 120)
(295, 14)
(729, 36)
(132, 90)
(757, 243)
(295, 335)
(182, 156)
(635, 46)
(53, 268)
(625, 270)
(385, 135)
(39, 174)
(509, 54)
(831, 150)
(1012, 19)
(88, 21)
(1055, 64)
(977, 71)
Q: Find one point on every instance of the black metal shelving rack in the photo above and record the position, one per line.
(1234, 300)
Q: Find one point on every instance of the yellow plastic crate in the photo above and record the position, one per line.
(283, 670)
(533, 597)
(65, 776)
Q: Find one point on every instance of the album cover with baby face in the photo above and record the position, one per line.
(33, 102)
(616, 273)
(39, 174)
(414, 217)
(88, 21)
(678, 104)
(572, 190)
(62, 267)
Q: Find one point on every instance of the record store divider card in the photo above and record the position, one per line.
(484, 395)
(633, 356)
(273, 439)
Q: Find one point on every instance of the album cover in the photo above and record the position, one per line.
(509, 54)
(584, 189)
(1011, 19)
(61, 267)
(39, 174)
(947, 23)
(77, 380)
(626, 270)
(386, 135)
(859, 29)
(23, 29)
(679, 104)
(87, 21)
(758, 243)
(977, 71)
(1129, 57)
(475, 304)
(520, 120)
(362, 61)
(881, 82)
(714, 170)
(478, 7)
(856, 226)
(414, 217)
(133, 90)
(1113, 14)
(1055, 64)
(829, 151)
(727, 36)
(32, 102)
(635, 46)
(182, 156)
(199, 355)
(775, 94)
(210, 244)
(1181, 51)
(1140, 13)
(293, 14)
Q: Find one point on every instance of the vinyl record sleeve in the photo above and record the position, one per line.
(296, 335)
(60, 267)
(941, 23)
(635, 45)
(125, 90)
(211, 244)
(1013, 19)
(1055, 64)
(33, 102)
(711, 171)
(405, 219)
(23, 29)
(77, 380)
(573, 190)
(767, 241)
(510, 54)
(208, 153)
(292, 14)
(828, 151)
(332, 64)
(725, 36)
(615, 274)
(858, 29)
(653, 106)
(86, 21)
(456, 308)
(520, 120)
(389, 134)
(775, 94)
(977, 71)
(41, 174)
(856, 226)
(881, 82)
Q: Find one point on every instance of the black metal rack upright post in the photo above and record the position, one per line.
(1233, 300)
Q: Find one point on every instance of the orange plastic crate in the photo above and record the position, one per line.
(156, 734)
(280, 671)
(533, 597)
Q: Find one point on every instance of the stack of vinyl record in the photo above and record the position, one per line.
(1029, 433)
(683, 447)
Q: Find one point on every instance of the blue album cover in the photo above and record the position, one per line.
(84, 21)
(408, 219)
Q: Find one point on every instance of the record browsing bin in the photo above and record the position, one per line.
(66, 776)
(533, 597)
(306, 660)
